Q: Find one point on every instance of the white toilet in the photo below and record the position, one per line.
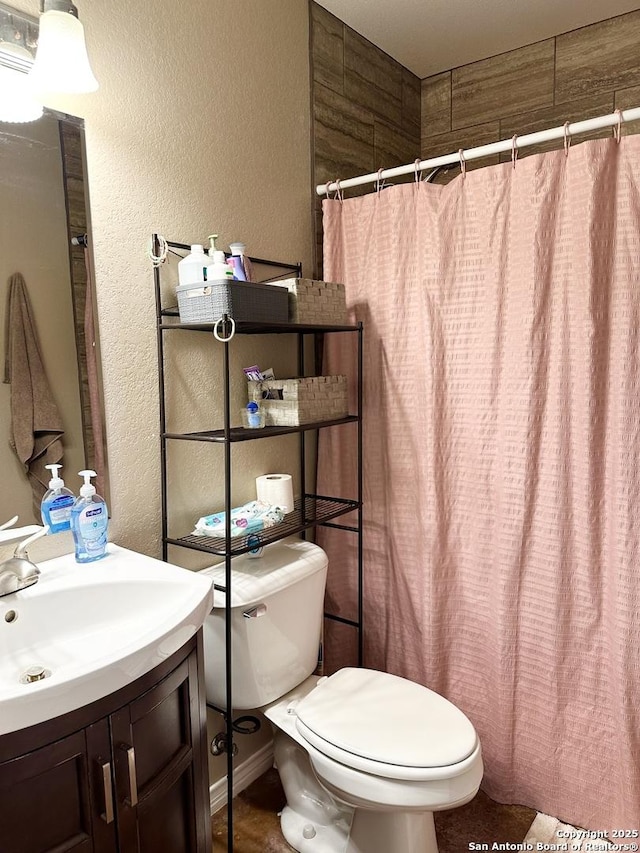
(364, 757)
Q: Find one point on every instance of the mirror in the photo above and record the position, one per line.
(42, 209)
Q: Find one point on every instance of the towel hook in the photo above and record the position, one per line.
(617, 129)
(463, 163)
(567, 138)
(514, 149)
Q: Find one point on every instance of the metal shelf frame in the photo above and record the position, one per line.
(311, 512)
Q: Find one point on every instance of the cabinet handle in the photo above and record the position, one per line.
(133, 784)
(107, 817)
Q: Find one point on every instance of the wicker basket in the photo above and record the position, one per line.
(243, 300)
(316, 302)
(306, 400)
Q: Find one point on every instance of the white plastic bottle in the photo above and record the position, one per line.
(57, 503)
(191, 269)
(89, 522)
(218, 269)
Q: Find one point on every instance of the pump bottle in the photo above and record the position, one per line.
(89, 522)
(218, 269)
(57, 503)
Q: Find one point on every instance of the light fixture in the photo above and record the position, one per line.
(18, 36)
(61, 64)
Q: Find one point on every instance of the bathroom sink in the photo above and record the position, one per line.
(84, 631)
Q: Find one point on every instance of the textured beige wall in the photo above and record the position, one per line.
(201, 124)
(33, 241)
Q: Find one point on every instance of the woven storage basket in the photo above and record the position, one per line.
(243, 300)
(306, 400)
(321, 303)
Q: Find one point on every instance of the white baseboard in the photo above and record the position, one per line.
(243, 775)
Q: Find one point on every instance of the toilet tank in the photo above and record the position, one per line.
(277, 603)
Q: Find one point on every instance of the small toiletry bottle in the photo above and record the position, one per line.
(239, 251)
(89, 522)
(191, 269)
(218, 269)
(254, 418)
(237, 261)
(57, 503)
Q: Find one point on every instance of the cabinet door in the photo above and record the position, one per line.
(157, 743)
(46, 800)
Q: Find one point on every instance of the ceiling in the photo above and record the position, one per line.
(428, 36)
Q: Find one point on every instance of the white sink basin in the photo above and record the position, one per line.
(95, 628)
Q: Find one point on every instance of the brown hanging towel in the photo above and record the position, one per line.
(36, 425)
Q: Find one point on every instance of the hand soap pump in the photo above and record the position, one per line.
(89, 522)
(218, 269)
(57, 503)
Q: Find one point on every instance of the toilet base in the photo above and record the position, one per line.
(306, 836)
(313, 821)
(403, 832)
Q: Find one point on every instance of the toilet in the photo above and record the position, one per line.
(365, 757)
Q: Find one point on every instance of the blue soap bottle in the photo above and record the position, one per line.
(57, 503)
(89, 522)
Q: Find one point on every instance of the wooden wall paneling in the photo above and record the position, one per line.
(599, 58)
(486, 90)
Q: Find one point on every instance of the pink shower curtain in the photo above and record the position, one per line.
(502, 460)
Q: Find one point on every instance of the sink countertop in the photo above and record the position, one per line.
(96, 627)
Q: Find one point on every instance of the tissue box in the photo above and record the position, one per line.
(301, 401)
(312, 302)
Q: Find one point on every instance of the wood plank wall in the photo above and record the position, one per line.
(581, 74)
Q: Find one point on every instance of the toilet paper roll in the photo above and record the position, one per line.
(276, 489)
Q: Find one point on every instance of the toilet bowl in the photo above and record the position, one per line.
(387, 751)
(364, 757)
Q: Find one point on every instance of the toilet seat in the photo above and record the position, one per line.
(410, 732)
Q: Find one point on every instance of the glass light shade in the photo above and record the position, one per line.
(61, 63)
(17, 100)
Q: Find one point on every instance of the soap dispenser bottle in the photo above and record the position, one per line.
(57, 503)
(218, 269)
(89, 522)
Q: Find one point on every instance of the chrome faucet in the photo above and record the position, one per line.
(18, 572)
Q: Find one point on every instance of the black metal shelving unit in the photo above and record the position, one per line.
(310, 511)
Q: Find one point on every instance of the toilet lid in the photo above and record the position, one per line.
(387, 719)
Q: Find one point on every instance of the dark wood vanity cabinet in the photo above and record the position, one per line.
(130, 777)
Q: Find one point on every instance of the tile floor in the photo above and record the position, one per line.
(257, 828)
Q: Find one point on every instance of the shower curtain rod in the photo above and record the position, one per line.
(611, 120)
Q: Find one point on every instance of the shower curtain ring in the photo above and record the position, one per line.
(339, 193)
(418, 172)
(463, 163)
(567, 138)
(378, 184)
(514, 149)
(326, 189)
(617, 130)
